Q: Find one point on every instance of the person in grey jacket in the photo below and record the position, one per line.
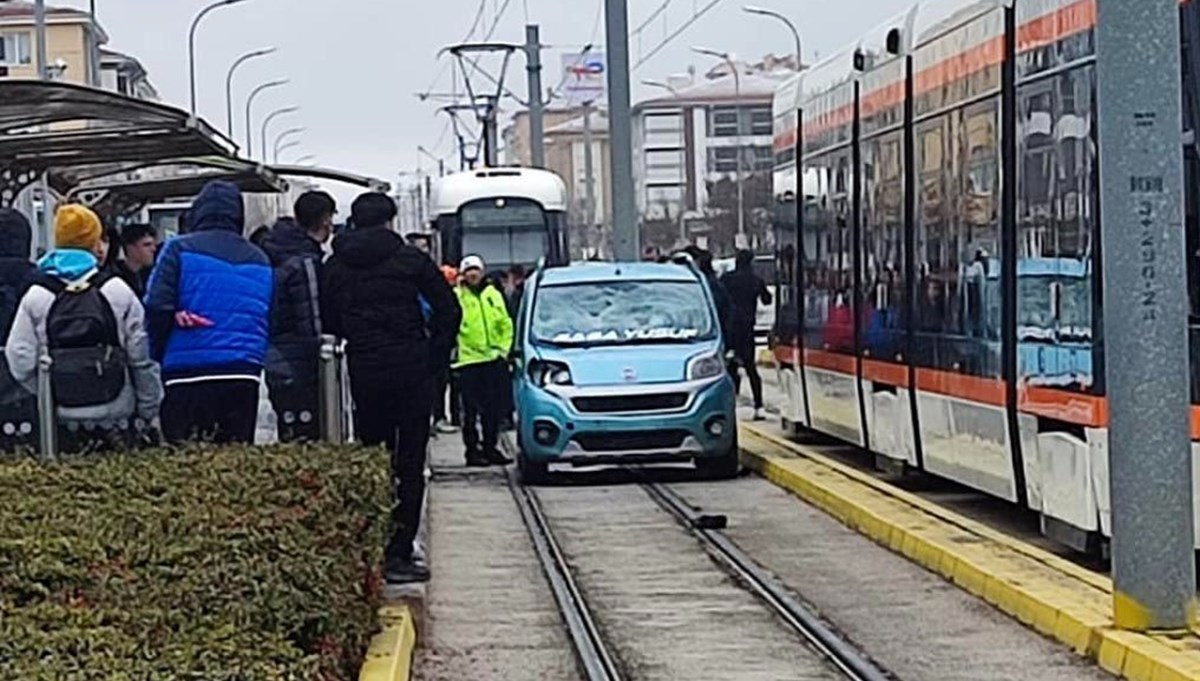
(75, 260)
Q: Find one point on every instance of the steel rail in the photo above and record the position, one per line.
(590, 649)
(829, 643)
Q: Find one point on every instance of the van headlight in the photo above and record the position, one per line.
(705, 367)
(545, 374)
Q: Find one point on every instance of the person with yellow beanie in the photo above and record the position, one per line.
(119, 386)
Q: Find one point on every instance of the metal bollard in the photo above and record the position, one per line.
(330, 387)
(47, 412)
(348, 432)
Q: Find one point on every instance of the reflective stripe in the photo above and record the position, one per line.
(313, 293)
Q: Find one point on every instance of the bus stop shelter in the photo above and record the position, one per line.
(121, 191)
(73, 132)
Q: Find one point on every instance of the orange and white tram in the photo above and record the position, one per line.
(941, 269)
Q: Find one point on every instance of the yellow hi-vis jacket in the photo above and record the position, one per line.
(486, 333)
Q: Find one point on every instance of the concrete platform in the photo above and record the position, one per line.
(1053, 596)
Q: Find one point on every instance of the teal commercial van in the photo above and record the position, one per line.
(622, 363)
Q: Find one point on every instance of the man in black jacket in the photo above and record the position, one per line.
(373, 285)
(294, 247)
(746, 290)
(17, 406)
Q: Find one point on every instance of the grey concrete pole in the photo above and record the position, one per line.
(537, 124)
(39, 22)
(620, 125)
(1145, 313)
(491, 134)
(589, 171)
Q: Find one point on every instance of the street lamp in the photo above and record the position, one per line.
(192, 43)
(662, 86)
(229, 85)
(737, 98)
(249, 107)
(440, 161)
(285, 147)
(776, 15)
(279, 144)
(267, 123)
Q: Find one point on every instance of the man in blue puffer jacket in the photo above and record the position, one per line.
(208, 310)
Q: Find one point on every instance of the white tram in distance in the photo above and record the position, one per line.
(941, 274)
(507, 216)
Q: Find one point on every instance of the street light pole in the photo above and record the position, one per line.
(283, 136)
(39, 22)
(737, 99)
(440, 161)
(249, 108)
(280, 149)
(192, 43)
(229, 85)
(267, 123)
(795, 33)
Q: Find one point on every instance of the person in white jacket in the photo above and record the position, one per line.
(74, 262)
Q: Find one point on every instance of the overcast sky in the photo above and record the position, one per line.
(356, 65)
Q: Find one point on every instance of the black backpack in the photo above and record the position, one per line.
(89, 367)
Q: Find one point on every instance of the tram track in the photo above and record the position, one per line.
(598, 660)
(591, 650)
(851, 662)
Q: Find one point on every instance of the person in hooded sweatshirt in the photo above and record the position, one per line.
(208, 306)
(374, 283)
(74, 312)
(746, 289)
(17, 404)
(294, 247)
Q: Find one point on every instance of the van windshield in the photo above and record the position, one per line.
(622, 313)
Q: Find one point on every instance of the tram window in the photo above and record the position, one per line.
(829, 319)
(1057, 228)
(958, 304)
(883, 281)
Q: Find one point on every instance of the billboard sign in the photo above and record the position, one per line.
(585, 79)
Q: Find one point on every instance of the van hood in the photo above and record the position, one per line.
(627, 365)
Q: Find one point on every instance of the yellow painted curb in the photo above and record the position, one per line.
(390, 654)
(1045, 592)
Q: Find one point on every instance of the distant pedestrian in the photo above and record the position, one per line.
(484, 342)
(516, 288)
(374, 283)
(17, 404)
(294, 247)
(138, 246)
(208, 306)
(746, 289)
(93, 328)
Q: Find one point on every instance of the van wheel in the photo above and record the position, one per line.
(724, 467)
(532, 473)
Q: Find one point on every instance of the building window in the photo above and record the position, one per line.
(764, 158)
(15, 49)
(761, 122)
(723, 159)
(723, 122)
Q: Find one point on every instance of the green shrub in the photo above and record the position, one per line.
(221, 564)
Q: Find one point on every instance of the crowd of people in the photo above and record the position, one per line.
(150, 343)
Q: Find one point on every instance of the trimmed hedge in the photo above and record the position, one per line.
(206, 564)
